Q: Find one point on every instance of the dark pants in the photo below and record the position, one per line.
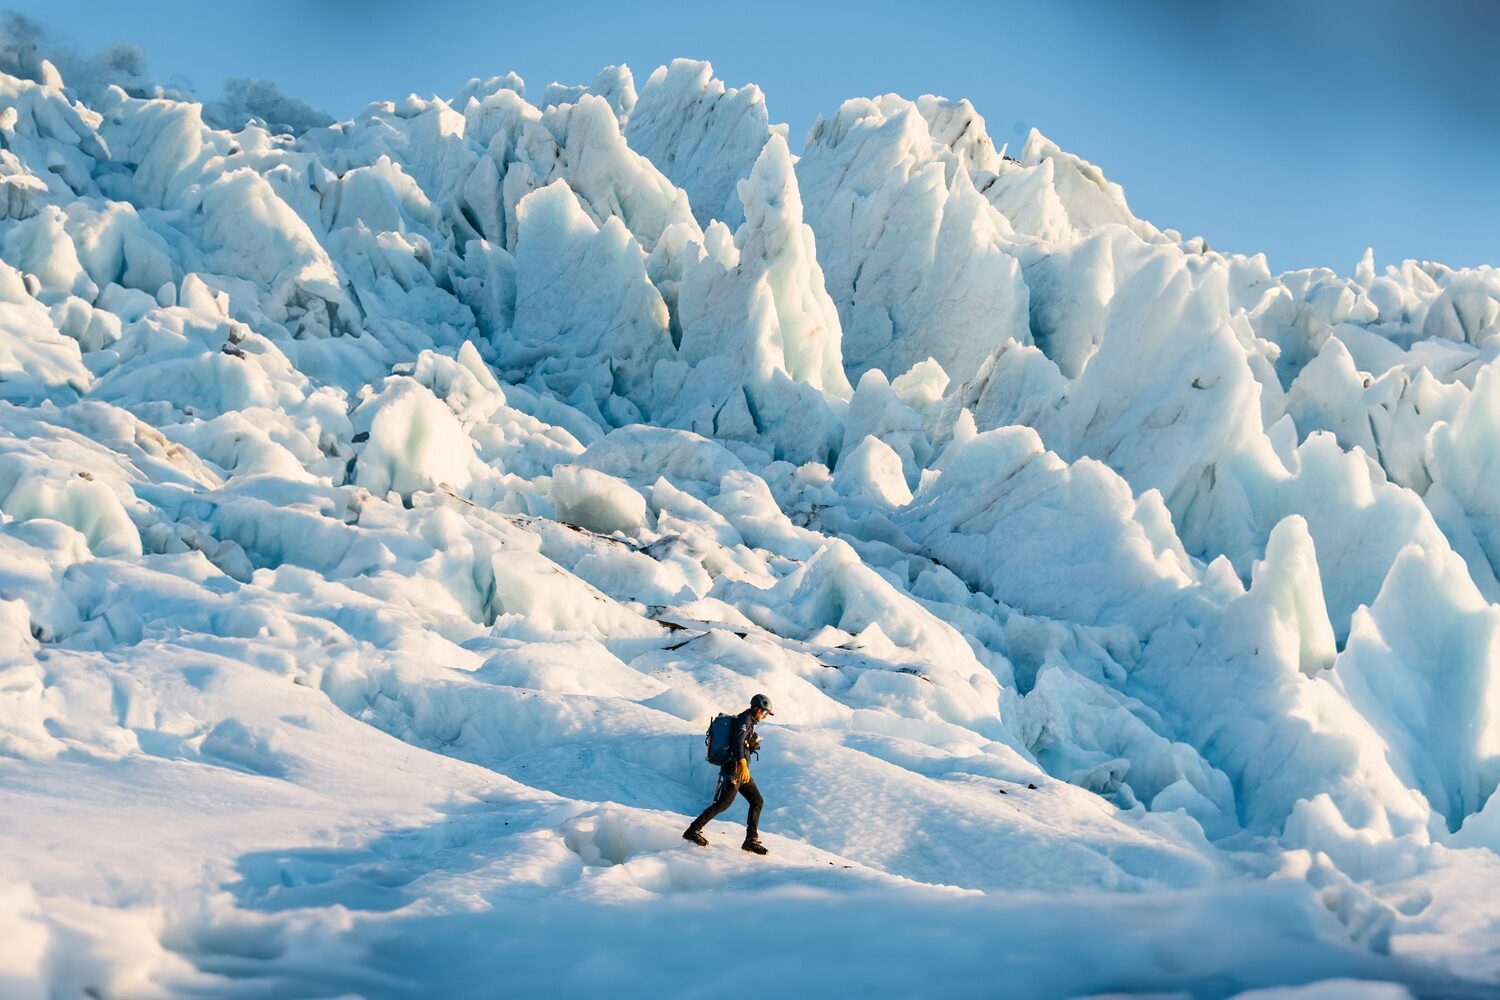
(728, 788)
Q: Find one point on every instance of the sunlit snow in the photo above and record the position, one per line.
(386, 507)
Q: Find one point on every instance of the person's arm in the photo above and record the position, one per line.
(742, 749)
(737, 732)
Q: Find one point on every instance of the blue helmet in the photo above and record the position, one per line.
(763, 703)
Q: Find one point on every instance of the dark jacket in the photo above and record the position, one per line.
(740, 731)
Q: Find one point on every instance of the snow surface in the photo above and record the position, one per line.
(387, 505)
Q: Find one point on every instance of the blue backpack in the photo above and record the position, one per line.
(717, 739)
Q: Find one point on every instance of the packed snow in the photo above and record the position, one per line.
(387, 505)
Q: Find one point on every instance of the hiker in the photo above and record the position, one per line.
(734, 777)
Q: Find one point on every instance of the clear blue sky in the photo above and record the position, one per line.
(1306, 130)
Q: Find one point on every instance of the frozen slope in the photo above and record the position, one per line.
(385, 510)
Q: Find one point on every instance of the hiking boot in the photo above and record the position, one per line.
(695, 837)
(754, 846)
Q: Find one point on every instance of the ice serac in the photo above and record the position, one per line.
(1169, 398)
(834, 589)
(1467, 310)
(38, 361)
(774, 237)
(1085, 198)
(241, 226)
(1054, 539)
(918, 262)
(613, 83)
(760, 336)
(582, 144)
(1289, 582)
(901, 416)
(1359, 521)
(1464, 469)
(587, 318)
(1249, 686)
(1328, 394)
(1071, 290)
(702, 135)
(1091, 735)
(1168, 393)
(1421, 666)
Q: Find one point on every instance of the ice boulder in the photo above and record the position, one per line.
(414, 441)
(596, 501)
(37, 361)
(872, 472)
(31, 490)
(641, 454)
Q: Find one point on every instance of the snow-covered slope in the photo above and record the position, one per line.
(386, 508)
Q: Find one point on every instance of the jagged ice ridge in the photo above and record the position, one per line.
(386, 506)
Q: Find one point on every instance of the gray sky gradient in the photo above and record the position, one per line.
(1307, 130)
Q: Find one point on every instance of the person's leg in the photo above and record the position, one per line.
(727, 790)
(752, 822)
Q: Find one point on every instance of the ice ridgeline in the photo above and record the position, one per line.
(385, 508)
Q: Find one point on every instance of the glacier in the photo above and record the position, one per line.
(386, 505)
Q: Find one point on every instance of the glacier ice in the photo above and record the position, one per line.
(386, 505)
